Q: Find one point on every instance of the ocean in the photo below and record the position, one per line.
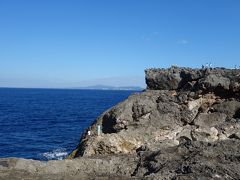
(46, 124)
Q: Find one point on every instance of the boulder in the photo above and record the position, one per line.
(219, 80)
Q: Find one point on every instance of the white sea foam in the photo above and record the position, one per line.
(57, 154)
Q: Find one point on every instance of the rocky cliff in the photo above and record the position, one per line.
(194, 104)
(185, 125)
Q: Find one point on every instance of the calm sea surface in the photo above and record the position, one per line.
(46, 124)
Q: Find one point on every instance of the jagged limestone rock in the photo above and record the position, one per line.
(169, 106)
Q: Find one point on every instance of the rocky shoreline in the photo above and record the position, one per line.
(185, 125)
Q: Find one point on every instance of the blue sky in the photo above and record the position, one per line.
(71, 43)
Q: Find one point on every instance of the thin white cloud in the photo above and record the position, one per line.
(145, 38)
(150, 36)
(183, 41)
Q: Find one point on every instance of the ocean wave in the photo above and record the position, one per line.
(57, 154)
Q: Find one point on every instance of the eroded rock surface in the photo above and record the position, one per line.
(199, 104)
(206, 79)
(100, 167)
(161, 117)
(191, 160)
(185, 125)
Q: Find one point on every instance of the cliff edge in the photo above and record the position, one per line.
(185, 125)
(179, 103)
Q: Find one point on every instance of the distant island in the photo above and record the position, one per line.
(105, 87)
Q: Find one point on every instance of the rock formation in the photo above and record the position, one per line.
(185, 125)
(197, 104)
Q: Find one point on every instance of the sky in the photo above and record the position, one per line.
(74, 43)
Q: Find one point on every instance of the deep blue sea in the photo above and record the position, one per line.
(46, 124)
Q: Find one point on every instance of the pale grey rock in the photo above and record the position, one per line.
(101, 167)
(210, 119)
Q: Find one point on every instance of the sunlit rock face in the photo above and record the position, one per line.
(195, 104)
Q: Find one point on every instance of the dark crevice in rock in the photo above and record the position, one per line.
(211, 110)
(234, 136)
(184, 170)
(137, 167)
(151, 164)
(237, 114)
(153, 168)
(140, 151)
(4, 163)
(108, 124)
(225, 94)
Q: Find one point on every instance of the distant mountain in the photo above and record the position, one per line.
(104, 87)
